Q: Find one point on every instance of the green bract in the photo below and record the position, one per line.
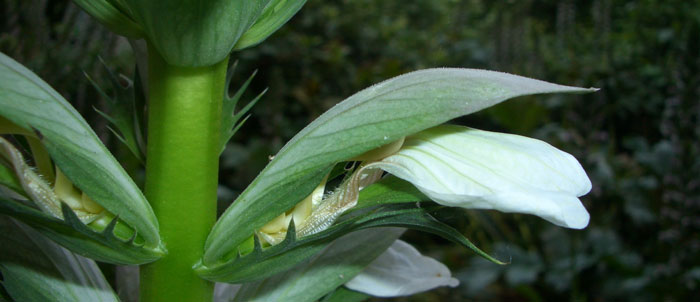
(371, 118)
(275, 14)
(191, 32)
(35, 109)
(194, 32)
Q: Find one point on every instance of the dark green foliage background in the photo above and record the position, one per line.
(637, 137)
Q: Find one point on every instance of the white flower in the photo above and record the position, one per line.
(401, 271)
(463, 167)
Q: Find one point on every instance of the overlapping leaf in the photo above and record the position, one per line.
(31, 104)
(371, 118)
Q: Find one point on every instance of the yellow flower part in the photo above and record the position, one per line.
(45, 197)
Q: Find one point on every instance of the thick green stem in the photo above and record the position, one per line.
(181, 173)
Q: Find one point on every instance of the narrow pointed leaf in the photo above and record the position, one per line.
(36, 269)
(124, 112)
(33, 105)
(231, 119)
(235, 129)
(371, 118)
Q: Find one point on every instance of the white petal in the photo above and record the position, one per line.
(401, 271)
(464, 167)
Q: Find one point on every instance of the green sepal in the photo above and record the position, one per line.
(33, 105)
(81, 239)
(264, 262)
(369, 119)
(111, 17)
(275, 14)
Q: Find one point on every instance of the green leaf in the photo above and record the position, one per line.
(111, 17)
(338, 263)
(369, 119)
(30, 103)
(126, 113)
(230, 119)
(264, 262)
(275, 14)
(36, 269)
(71, 233)
(195, 33)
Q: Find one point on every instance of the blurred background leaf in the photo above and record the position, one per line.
(636, 138)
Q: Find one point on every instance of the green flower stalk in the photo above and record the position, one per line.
(181, 173)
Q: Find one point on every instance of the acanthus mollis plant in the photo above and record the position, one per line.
(321, 220)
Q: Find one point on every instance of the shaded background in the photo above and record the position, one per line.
(637, 138)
